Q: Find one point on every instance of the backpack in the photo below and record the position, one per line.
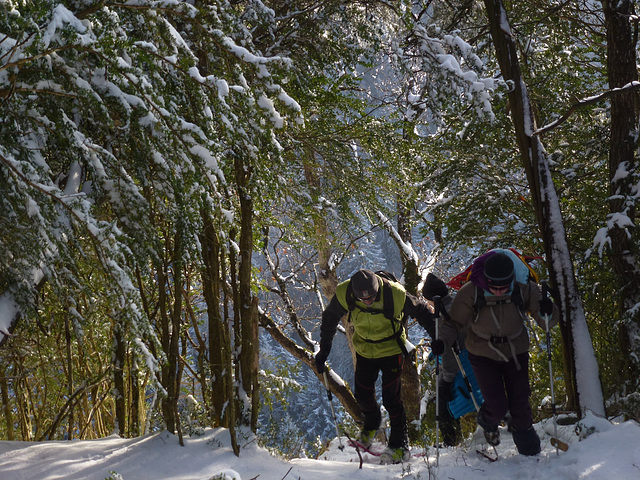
(388, 308)
(475, 273)
(476, 270)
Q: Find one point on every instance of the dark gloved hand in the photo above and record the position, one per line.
(321, 357)
(437, 347)
(428, 322)
(546, 307)
(433, 286)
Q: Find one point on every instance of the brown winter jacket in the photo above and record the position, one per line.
(500, 330)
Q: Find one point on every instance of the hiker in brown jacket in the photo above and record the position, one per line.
(494, 312)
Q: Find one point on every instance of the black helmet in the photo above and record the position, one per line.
(498, 270)
(364, 283)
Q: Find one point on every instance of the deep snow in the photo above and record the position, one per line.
(612, 453)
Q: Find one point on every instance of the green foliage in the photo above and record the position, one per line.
(279, 432)
(120, 126)
(114, 476)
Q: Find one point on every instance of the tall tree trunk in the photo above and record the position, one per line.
(7, 410)
(119, 361)
(583, 383)
(410, 376)
(173, 355)
(326, 275)
(70, 387)
(169, 342)
(217, 346)
(230, 410)
(623, 253)
(135, 408)
(248, 350)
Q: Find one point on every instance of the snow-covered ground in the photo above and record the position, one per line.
(613, 453)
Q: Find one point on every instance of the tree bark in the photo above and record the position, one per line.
(410, 377)
(118, 376)
(7, 410)
(217, 345)
(623, 252)
(135, 410)
(583, 385)
(244, 306)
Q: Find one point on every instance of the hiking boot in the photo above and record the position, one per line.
(527, 441)
(450, 430)
(366, 437)
(394, 455)
(492, 437)
(491, 433)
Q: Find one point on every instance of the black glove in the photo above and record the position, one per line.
(428, 322)
(433, 286)
(546, 307)
(437, 347)
(321, 357)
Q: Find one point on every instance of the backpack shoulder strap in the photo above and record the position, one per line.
(479, 301)
(388, 306)
(516, 297)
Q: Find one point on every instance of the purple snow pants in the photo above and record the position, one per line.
(504, 388)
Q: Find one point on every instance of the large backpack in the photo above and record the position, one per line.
(388, 309)
(475, 273)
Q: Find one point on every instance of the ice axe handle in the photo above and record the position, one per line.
(437, 305)
(439, 309)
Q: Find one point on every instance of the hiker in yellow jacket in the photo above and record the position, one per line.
(376, 308)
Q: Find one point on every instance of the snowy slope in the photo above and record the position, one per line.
(611, 454)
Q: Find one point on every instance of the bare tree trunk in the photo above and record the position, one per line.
(67, 334)
(135, 410)
(623, 253)
(254, 339)
(244, 305)
(230, 411)
(118, 375)
(582, 383)
(217, 345)
(173, 385)
(168, 339)
(410, 376)
(327, 277)
(7, 410)
(237, 334)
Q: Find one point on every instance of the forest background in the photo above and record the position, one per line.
(183, 184)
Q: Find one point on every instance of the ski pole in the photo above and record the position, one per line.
(555, 441)
(333, 412)
(456, 352)
(437, 302)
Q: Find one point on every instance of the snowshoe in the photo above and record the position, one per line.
(394, 455)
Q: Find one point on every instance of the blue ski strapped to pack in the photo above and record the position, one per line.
(462, 402)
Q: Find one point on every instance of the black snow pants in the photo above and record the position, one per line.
(367, 370)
